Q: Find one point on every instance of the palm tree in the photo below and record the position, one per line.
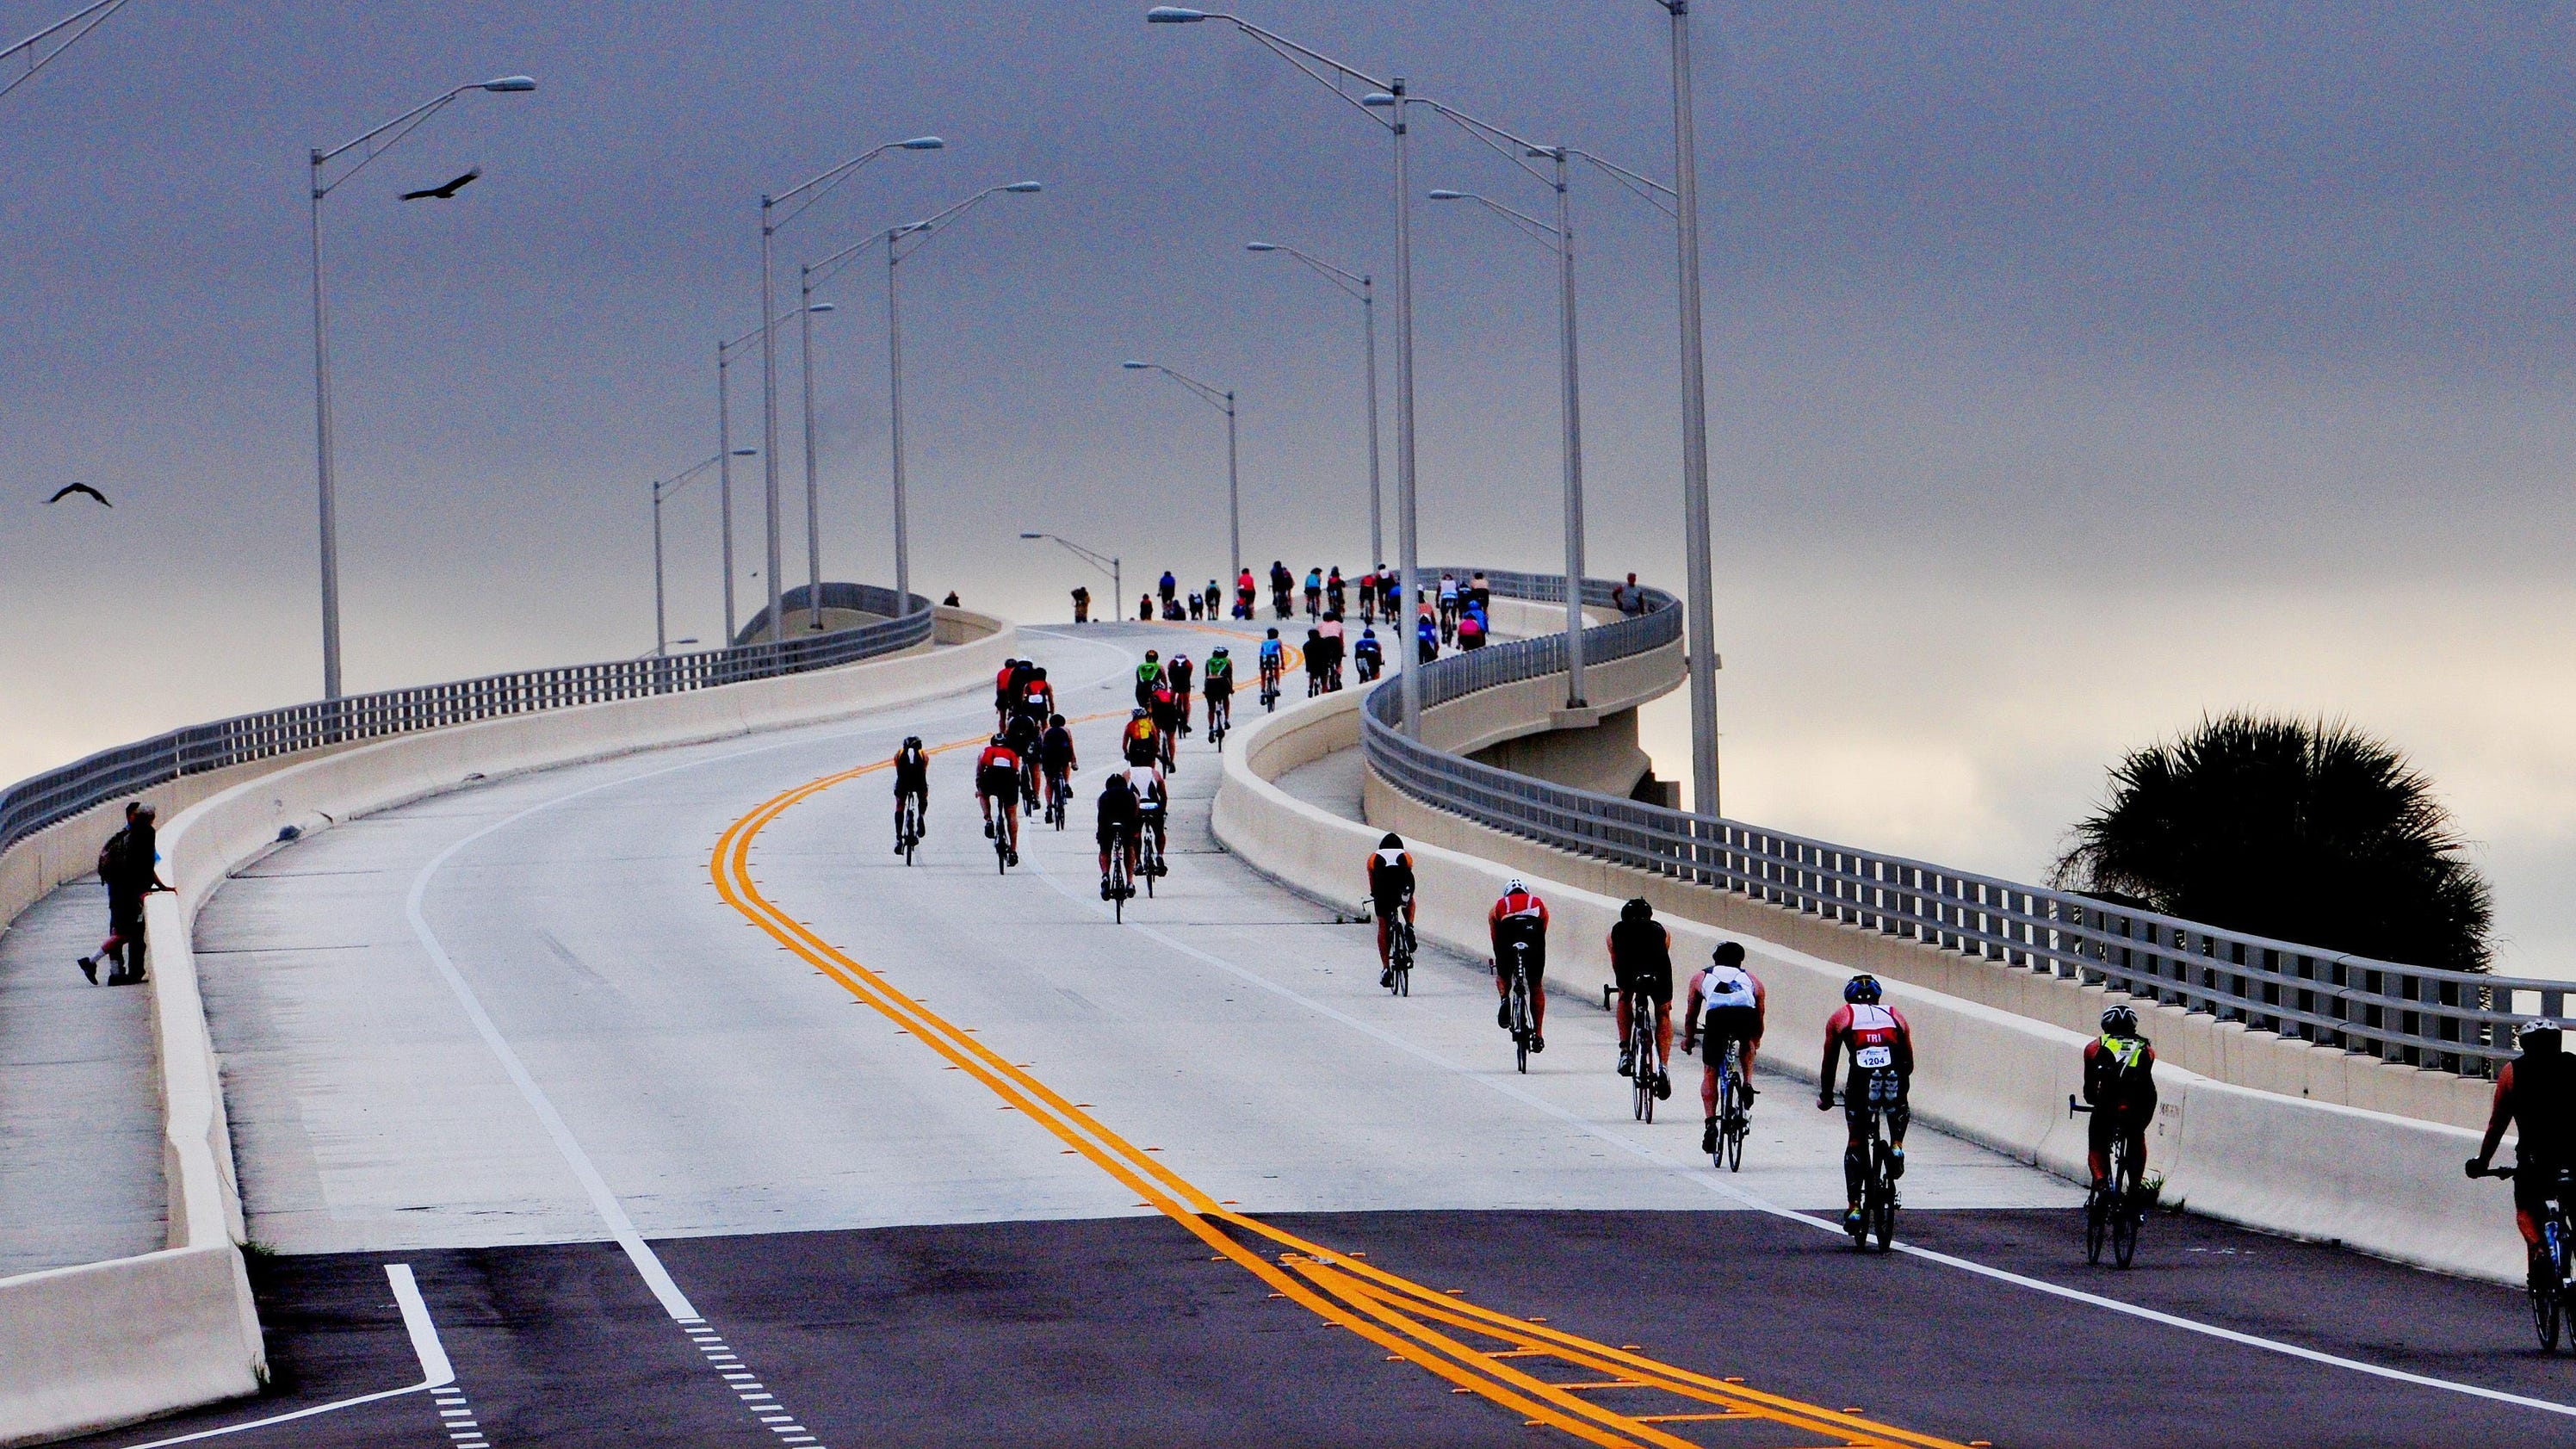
(2305, 832)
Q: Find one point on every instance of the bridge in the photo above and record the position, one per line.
(564, 1058)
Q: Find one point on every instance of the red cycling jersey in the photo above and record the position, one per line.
(995, 757)
(1522, 909)
(1877, 1035)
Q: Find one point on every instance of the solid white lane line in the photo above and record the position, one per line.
(435, 1371)
(1709, 1181)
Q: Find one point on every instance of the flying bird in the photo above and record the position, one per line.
(69, 489)
(446, 192)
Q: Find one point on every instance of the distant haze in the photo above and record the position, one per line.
(2076, 370)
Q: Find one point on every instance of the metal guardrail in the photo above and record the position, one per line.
(2453, 1021)
(42, 800)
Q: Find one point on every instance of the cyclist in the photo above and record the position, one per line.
(1148, 674)
(2120, 1082)
(1118, 817)
(1273, 659)
(1390, 883)
(1448, 604)
(1426, 637)
(1137, 744)
(1335, 591)
(1281, 582)
(1336, 648)
(1178, 672)
(1166, 714)
(1243, 594)
(1003, 695)
(1882, 1068)
(997, 782)
(1170, 589)
(1726, 1004)
(1470, 629)
(1220, 687)
(1367, 655)
(1023, 734)
(1519, 917)
(1153, 813)
(1314, 593)
(1641, 961)
(1037, 697)
(2532, 1095)
(911, 780)
(1215, 599)
(1315, 662)
(1056, 758)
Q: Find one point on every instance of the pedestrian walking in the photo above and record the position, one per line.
(129, 866)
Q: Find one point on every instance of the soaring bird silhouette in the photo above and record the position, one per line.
(446, 192)
(69, 489)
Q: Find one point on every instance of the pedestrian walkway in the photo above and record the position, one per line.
(80, 1116)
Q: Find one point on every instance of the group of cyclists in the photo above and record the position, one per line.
(1868, 1049)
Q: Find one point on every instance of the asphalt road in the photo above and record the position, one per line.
(926, 1156)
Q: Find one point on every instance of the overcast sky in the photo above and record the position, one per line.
(2076, 369)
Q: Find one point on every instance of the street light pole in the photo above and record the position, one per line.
(662, 490)
(1106, 563)
(1365, 288)
(1573, 413)
(1221, 399)
(819, 186)
(724, 482)
(389, 135)
(806, 307)
(1701, 620)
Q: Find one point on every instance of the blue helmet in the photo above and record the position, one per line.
(1861, 990)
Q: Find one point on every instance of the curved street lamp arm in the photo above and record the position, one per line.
(1215, 397)
(400, 126)
(86, 19)
(922, 231)
(822, 185)
(1654, 193)
(1100, 561)
(1326, 71)
(817, 273)
(1350, 282)
(753, 335)
(1537, 230)
(1510, 147)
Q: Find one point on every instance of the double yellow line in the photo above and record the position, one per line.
(1437, 1331)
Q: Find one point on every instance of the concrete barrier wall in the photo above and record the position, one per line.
(2381, 1183)
(110, 1343)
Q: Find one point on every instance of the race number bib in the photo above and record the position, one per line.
(1874, 1058)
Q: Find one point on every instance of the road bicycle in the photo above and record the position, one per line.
(1517, 1001)
(2551, 1284)
(1149, 851)
(1645, 1064)
(1122, 886)
(1220, 715)
(2115, 1207)
(1878, 1201)
(1001, 833)
(907, 829)
(1059, 796)
(1399, 954)
(1734, 1108)
(1269, 688)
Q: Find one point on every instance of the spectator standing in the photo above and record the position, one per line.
(1144, 606)
(1081, 605)
(951, 600)
(1215, 599)
(129, 866)
(1632, 600)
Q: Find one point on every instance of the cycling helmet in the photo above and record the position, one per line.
(2119, 1021)
(1217, 653)
(1861, 990)
(1136, 714)
(2536, 1027)
(1390, 841)
(1152, 655)
(1515, 887)
(1367, 633)
(1055, 721)
(1274, 633)
(1002, 739)
(1636, 910)
(1731, 953)
(1037, 671)
(912, 742)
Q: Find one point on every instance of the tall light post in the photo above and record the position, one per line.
(812, 191)
(1106, 563)
(1359, 285)
(901, 242)
(1389, 96)
(1559, 239)
(1222, 399)
(663, 489)
(725, 350)
(373, 144)
(1701, 619)
(806, 307)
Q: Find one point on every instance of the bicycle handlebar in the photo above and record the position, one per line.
(2073, 1106)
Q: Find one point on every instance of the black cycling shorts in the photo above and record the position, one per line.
(1725, 1024)
(1537, 961)
(1656, 982)
(2535, 1186)
(1220, 689)
(1865, 1086)
(1001, 786)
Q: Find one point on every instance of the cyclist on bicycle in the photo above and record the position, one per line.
(1004, 693)
(1336, 591)
(1244, 589)
(1023, 734)
(1118, 823)
(1153, 813)
(1726, 1004)
(1056, 758)
(1426, 637)
(1314, 593)
(911, 782)
(1641, 961)
(1368, 655)
(997, 782)
(1169, 588)
(1315, 662)
(1037, 697)
(1520, 918)
(2533, 1095)
(1390, 883)
(1219, 683)
(1448, 597)
(1882, 1068)
(1148, 675)
(1137, 745)
(1166, 710)
(2120, 1083)
(1273, 659)
(1179, 672)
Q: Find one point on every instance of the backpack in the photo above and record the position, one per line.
(111, 858)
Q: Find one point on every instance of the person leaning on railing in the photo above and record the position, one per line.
(2533, 1095)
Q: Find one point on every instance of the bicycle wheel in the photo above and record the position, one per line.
(1147, 860)
(1641, 1090)
(2097, 1225)
(1883, 1227)
(2545, 1291)
(1520, 1026)
(2124, 1231)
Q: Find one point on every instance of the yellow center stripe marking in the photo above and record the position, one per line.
(1420, 1325)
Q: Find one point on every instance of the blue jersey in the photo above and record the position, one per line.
(1270, 652)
